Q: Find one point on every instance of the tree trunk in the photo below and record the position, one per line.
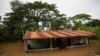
(21, 25)
(37, 25)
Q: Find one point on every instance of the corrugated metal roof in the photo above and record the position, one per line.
(56, 34)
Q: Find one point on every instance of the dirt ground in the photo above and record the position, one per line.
(17, 49)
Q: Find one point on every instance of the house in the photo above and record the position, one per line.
(56, 39)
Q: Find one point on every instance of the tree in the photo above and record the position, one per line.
(96, 30)
(93, 23)
(0, 18)
(79, 20)
(28, 16)
(41, 12)
(59, 24)
(14, 22)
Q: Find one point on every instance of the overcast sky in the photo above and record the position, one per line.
(68, 7)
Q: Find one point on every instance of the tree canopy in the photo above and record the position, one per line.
(79, 20)
(93, 23)
(28, 16)
(37, 16)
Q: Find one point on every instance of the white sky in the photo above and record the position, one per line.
(68, 7)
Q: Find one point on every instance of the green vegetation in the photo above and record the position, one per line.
(94, 26)
(96, 30)
(37, 16)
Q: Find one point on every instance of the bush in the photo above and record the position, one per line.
(96, 30)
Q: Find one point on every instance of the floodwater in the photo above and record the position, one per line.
(17, 49)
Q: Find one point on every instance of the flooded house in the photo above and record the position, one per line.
(56, 39)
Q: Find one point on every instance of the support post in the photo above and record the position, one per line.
(25, 45)
(50, 44)
(51, 47)
(71, 42)
(87, 42)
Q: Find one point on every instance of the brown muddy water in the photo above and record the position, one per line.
(17, 49)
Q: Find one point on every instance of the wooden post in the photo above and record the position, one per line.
(25, 45)
(71, 42)
(87, 41)
(50, 44)
(50, 47)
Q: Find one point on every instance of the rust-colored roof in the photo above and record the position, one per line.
(56, 34)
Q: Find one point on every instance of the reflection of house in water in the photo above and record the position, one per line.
(56, 39)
